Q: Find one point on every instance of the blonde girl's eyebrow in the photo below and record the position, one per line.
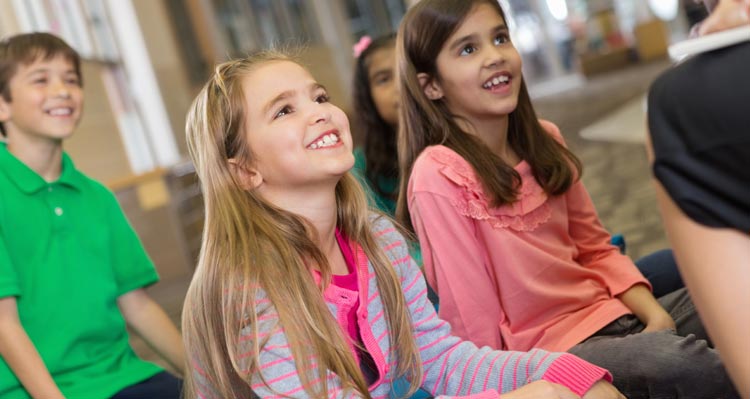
(281, 97)
(317, 87)
(289, 94)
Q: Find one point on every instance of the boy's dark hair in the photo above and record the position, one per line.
(26, 48)
(379, 137)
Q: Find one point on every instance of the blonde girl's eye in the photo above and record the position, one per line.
(285, 110)
(467, 49)
(322, 98)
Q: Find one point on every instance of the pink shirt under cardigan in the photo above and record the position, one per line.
(348, 282)
(539, 273)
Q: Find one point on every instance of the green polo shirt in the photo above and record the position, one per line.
(67, 253)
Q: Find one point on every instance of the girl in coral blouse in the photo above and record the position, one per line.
(510, 238)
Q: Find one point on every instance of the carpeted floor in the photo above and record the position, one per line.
(616, 173)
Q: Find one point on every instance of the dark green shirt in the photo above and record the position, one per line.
(387, 184)
(67, 253)
(382, 203)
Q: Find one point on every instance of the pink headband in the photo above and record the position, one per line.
(362, 45)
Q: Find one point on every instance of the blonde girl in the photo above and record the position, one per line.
(299, 290)
(510, 239)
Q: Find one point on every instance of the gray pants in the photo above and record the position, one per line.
(660, 365)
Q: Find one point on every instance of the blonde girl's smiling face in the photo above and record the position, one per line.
(478, 68)
(297, 138)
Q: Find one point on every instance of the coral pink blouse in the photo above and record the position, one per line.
(539, 273)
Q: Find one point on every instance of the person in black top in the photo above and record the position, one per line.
(699, 122)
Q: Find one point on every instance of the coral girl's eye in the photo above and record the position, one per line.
(467, 49)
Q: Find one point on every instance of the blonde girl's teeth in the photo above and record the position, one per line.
(314, 146)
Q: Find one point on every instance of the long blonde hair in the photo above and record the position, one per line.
(250, 245)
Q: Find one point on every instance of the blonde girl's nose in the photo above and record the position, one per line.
(320, 115)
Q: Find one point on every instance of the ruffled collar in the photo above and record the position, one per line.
(525, 214)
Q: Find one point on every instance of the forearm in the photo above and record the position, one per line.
(23, 359)
(642, 303)
(719, 288)
(152, 324)
(714, 264)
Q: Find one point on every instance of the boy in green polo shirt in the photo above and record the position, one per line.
(72, 270)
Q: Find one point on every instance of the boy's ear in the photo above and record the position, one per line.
(430, 86)
(4, 110)
(249, 178)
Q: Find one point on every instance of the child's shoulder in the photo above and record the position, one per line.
(440, 169)
(553, 130)
(388, 235)
(96, 194)
(436, 158)
(438, 154)
(383, 227)
(95, 188)
(392, 242)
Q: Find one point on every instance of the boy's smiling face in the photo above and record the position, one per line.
(46, 100)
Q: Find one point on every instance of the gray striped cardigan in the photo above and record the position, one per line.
(452, 368)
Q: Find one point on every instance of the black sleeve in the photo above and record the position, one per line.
(699, 119)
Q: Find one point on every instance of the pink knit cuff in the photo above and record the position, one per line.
(575, 373)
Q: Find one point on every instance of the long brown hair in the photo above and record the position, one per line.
(423, 122)
(251, 247)
(380, 138)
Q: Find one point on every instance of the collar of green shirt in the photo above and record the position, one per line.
(29, 181)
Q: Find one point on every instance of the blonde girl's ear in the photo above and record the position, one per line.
(430, 86)
(249, 178)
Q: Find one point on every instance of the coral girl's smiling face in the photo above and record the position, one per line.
(297, 138)
(478, 68)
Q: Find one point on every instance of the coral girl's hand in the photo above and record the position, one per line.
(603, 390)
(659, 321)
(545, 390)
